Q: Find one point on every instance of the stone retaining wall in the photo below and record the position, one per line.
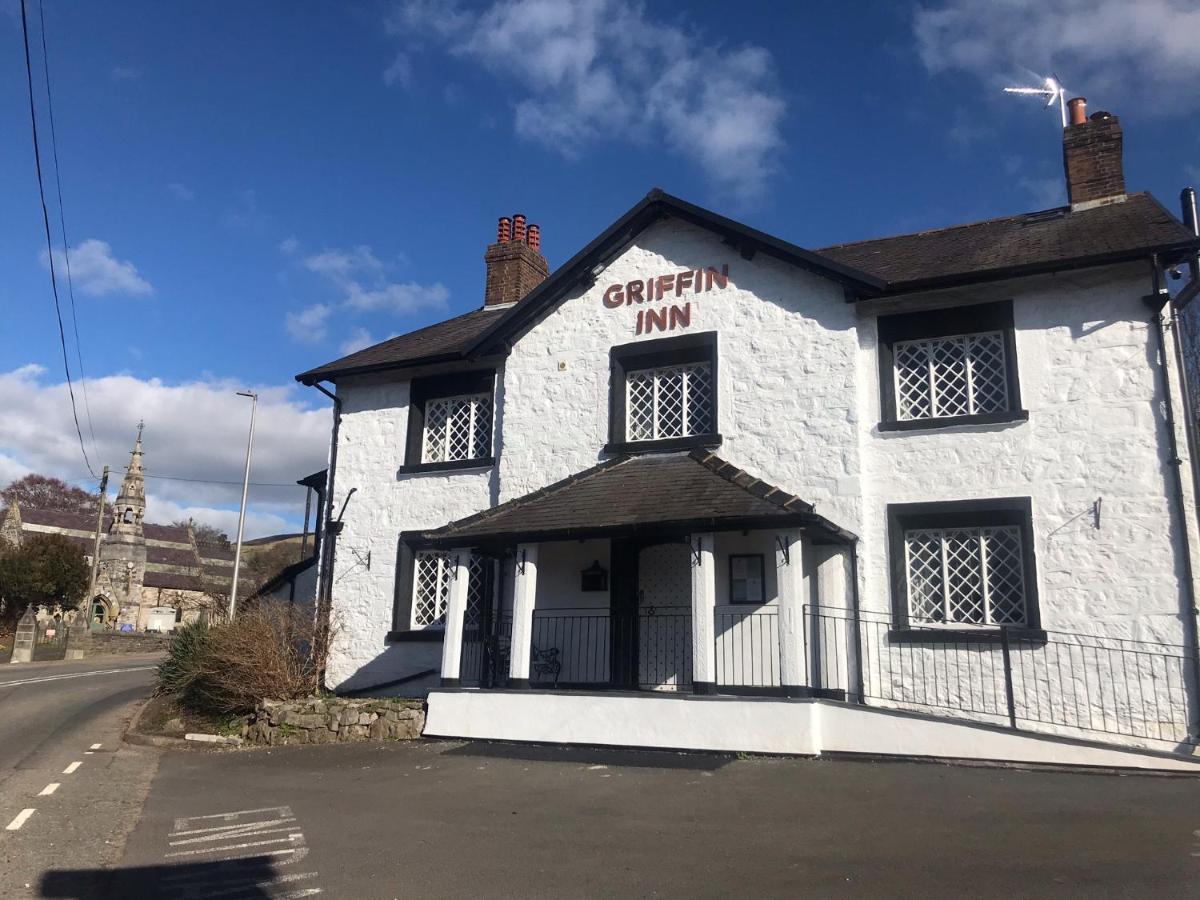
(329, 720)
(113, 643)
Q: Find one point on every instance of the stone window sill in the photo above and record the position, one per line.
(632, 448)
(426, 635)
(1001, 418)
(963, 635)
(457, 465)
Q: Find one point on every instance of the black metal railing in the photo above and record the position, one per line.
(485, 649)
(664, 647)
(571, 647)
(1035, 680)
(746, 647)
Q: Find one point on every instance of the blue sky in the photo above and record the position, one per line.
(251, 189)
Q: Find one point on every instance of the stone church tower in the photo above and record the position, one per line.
(123, 551)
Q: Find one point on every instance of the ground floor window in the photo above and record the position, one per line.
(962, 564)
(433, 572)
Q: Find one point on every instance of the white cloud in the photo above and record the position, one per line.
(309, 326)
(181, 191)
(289, 246)
(358, 339)
(1114, 52)
(96, 272)
(586, 72)
(399, 72)
(194, 429)
(361, 279)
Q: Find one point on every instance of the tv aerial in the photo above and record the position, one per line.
(1051, 89)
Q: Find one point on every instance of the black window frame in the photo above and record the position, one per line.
(671, 351)
(937, 323)
(762, 578)
(904, 517)
(437, 387)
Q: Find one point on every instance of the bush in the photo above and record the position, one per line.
(187, 658)
(267, 652)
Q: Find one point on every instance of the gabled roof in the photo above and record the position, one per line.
(1046, 241)
(1053, 239)
(694, 491)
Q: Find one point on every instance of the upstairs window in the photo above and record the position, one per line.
(450, 421)
(964, 375)
(669, 402)
(663, 394)
(457, 428)
(433, 573)
(948, 367)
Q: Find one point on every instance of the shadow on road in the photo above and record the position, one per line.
(644, 759)
(243, 878)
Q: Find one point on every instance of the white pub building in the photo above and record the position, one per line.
(700, 488)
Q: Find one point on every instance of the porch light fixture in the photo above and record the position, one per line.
(594, 578)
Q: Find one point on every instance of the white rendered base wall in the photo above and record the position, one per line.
(756, 725)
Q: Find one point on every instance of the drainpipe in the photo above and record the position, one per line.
(329, 530)
(1158, 301)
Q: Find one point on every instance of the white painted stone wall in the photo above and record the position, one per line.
(799, 407)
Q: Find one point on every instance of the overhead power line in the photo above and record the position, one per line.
(62, 221)
(37, 158)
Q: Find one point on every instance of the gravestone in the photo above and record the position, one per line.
(25, 638)
(79, 638)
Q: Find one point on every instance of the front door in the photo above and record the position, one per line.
(664, 617)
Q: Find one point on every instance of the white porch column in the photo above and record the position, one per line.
(524, 594)
(459, 573)
(793, 594)
(833, 623)
(704, 606)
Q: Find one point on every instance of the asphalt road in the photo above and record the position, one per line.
(61, 726)
(451, 819)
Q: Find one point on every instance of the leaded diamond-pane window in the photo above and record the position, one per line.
(951, 376)
(966, 576)
(669, 402)
(433, 573)
(458, 428)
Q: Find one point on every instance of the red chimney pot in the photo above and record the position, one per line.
(1078, 110)
(504, 230)
(535, 237)
(519, 228)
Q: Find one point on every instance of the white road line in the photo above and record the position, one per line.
(265, 823)
(182, 823)
(69, 770)
(283, 840)
(249, 832)
(21, 819)
(42, 680)
(49, 789)
(95, 747)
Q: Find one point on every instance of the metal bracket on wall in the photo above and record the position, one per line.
(1096, 513)
(521, 563)
(694, 544)
(362, 560)
(785, 547)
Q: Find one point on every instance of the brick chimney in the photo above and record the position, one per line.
(1092, 151)
(515, 265)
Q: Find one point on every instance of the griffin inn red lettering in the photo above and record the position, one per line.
(656, 288)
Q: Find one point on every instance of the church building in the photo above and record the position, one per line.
(150, 576)
(702, 488)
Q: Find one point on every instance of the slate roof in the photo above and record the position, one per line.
(1054, 238)
(1044, 241)
(452, 338)
(697, 490)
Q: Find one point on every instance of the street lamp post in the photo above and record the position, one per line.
(237, 554)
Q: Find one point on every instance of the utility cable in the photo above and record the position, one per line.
(62, 221)
(37, 158)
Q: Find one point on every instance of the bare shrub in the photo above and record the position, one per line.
(269, 651)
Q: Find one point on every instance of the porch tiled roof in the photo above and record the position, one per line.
(696, 490)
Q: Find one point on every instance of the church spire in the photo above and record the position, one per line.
(131, 501)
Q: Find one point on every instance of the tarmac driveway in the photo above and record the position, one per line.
(451, 819)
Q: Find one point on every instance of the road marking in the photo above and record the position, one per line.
(231, 864)
(70, 770)
(95, 746)
(49, 789)
(4, 684)
(21, 819)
